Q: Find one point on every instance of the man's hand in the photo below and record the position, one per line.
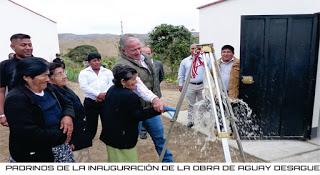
(67, 125)
(101, 97)
(180, 88)
(3, 121)
(157, 104)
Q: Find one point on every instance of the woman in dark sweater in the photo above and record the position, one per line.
(40, 119)
(121, 114)
(80, 136)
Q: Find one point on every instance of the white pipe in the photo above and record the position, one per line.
(211, 93)
(218, 93)
(225, 144)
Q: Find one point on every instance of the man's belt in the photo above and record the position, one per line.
(196, 83)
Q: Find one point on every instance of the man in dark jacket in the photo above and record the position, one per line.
(158, 69)
(22, 46)
(158, 66)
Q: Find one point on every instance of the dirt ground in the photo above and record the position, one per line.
(185, 144)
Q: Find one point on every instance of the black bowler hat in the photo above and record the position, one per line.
(93, 55)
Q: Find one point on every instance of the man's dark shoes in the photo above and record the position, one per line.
(190, 124)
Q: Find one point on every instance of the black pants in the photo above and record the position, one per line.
(93, 110)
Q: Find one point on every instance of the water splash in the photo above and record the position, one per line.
(246, 123)
(204, 120)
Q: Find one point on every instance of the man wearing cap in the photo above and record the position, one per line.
(94, 81)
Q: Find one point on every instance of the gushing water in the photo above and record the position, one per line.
(246, 123)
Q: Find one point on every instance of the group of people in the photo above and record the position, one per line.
(39, 118)
(48, 121)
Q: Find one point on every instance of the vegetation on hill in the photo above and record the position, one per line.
(80, 53)
(72, 68)
(170, 45)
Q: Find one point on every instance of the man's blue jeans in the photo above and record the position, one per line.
(155, 129)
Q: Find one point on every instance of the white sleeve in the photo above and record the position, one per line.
(109, 79)
(84, 85)
(181, 73)
(209, 60)
(143, 92)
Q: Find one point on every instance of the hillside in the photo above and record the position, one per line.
(107, 44)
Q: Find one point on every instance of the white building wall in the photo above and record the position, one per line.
(220, 24)
(316, 107)
(16, 19)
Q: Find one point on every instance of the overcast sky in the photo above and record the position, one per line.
(104, 16)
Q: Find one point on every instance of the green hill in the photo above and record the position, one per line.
(107, 44)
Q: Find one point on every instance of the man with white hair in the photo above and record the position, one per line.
(130, 54)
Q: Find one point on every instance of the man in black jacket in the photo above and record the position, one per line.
(158, 66)
(158, 69)
(22, 46)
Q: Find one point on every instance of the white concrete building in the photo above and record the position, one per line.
(219, 21)
(16, 18)
(220, 24)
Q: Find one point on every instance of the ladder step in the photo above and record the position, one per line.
(224, 135)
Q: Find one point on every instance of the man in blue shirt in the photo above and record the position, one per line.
(195, 87)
